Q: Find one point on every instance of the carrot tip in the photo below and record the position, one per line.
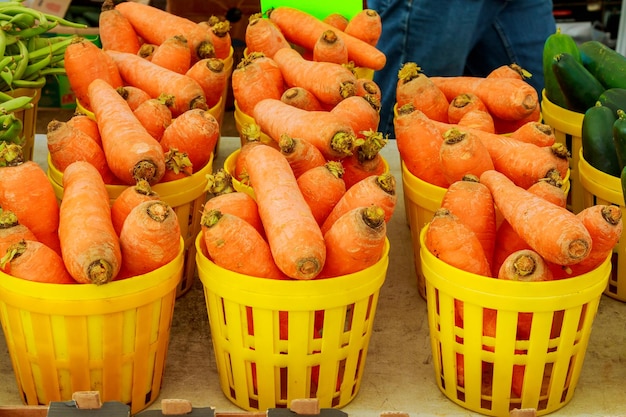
(100, 272)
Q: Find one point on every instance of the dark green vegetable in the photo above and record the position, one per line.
(623, 181)
(580, 87)
(555, 44)
(597, 139)
(614, 98)
(619, 138)
(606, 64)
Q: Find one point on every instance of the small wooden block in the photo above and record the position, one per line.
(175, 407)
(307, 406)
(87, 400)
(394, 414)
(523, 412)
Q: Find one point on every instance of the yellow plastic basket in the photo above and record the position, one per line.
(28, 117)
(242, 119)
(111, 338)
(329, 324)
(186, 196)
(601, 188)
(549, 360)
(567, 126)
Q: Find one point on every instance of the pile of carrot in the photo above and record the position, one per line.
(83, 239)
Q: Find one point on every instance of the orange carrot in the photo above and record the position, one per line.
(472, 203)
(132, 153)
(81, 54)
(251, 83)
(365, 25)
(361, 113)
(134, 96)
(127, 200)
(195, 132)
(336, 20)
(238, 204)
(506, 98)
(415, 87)
(269, 66)
(552, 231)
(150, 238)
(455, 244)
(67, 144)
(310, 184)
(539, 133)
(220, 35)
(462, 153)
(509, 71)
(367, 87)
(419, 141)
(304, 29)
(21, 184)
(525, 265)
(301, 98)
(147, 50)
(294, 237)
(478, 119)
(34, 261)
(550, 189)
(301, 155)
(240, 172)
(367, 230)
(82, 121)
(155, 115)
(376, 189)
(328, 81)
(462, 104)
(156, 80)
(12, 231)
(330, 48)
(89, 245)
(365, 159)
(177, 165)
(332, 135)
(507, 126)
(262, 35)
(173, 54)
(200, 41)
(236, 245)
(212, 76)
(116, 31)
(220, 182)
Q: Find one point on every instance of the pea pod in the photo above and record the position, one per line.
(597, 139)
(619, 138)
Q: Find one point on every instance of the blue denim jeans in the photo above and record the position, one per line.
(456, 37)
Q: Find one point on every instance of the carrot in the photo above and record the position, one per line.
(367, 87)
(88, 125)
(478, 119)
(304, 29)
(462, 104)
(132, 153)
(127, 200)
(262, 35)
(328, 81)
(220, 182)
(414, 131)
(375, 189)
(550, 189)
(361, 113)
(472, 203)
(81, 54)
(251, 83)
(294, 237)
(12, 231)
(509, 71)
(236, 245)
(116, 31)
(220, 35)
(310, 183)
(34, 261)
(240, 173)
(462, 153)
(147, 50)
(67, 144)
(173, 54)
(301, 155)
(177, 165)
(195, 132)
(552, 231)
(200, 41)
(507, 126)
(365, 160)
(21, 184)
(525, 265)
(238, 204)
(134, 96)
(89, 245)
(367, 230)
(269, 66)
(150, 238)
(455, 244)
(539, 133)
(212, 76)
(332, 135)
(417, 88)
(156, 80)
(506, 98)
(155, 115)
(301, 98)
(336, 20)
(330, 48)
(365, 25)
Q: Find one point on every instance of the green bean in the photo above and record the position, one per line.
(53, 71)
(58, 47)
(23, 20)
(13, 9)
(5, 61)
(38, 83)
(3, 42)
(22, 63)
(32, 31)
(16, 103)
(7, 75)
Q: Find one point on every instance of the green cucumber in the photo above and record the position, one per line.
(580, 87)
(623, 182)
(597, 139)
(619, 138)
(614, 98)
(555, 44)
(606, 64)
